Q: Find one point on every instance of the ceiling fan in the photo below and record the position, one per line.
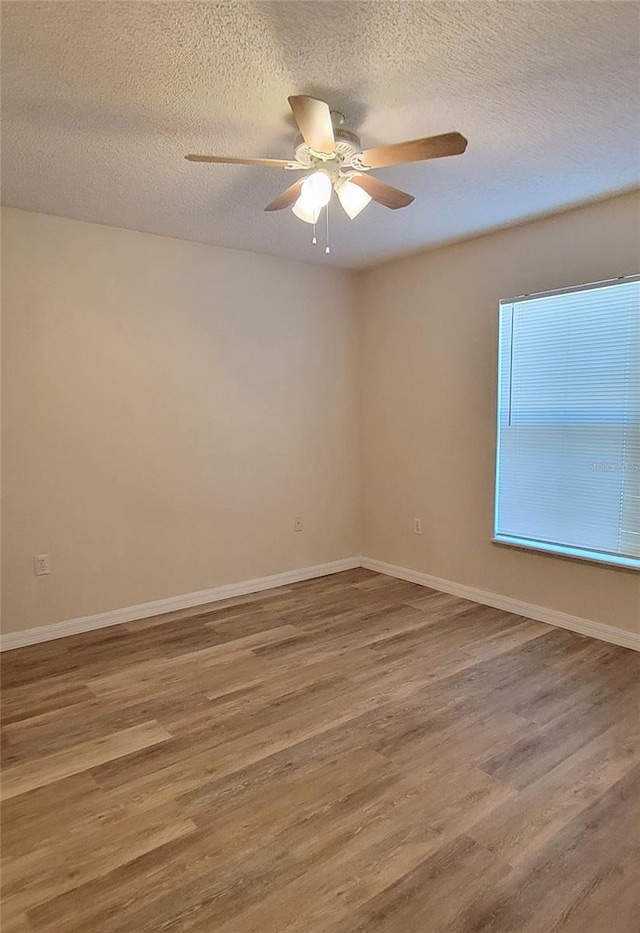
(334, 159)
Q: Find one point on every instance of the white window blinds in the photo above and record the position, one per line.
(568, 456)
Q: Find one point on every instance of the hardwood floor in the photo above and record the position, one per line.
(349, 754)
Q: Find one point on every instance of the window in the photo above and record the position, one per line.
(568, 452)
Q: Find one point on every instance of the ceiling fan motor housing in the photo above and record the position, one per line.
(347, 154)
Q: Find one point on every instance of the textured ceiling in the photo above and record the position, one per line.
(101, 100)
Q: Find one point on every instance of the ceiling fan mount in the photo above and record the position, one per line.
(333, 157)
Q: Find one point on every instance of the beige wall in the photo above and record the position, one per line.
(169, 408)
(429, 348)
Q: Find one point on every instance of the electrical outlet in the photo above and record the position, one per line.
(41, 564)
(417, 526)
(297, 524)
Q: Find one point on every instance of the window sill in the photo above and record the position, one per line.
(606, 560)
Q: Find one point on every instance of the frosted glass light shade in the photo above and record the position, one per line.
(306, 210)
(353, 198)
(317, 188)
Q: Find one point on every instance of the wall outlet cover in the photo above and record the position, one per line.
(41, 564)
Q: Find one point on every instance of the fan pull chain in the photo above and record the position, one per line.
(314, 238)
(327, 248)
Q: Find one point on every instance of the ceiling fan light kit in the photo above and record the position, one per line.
(335, 161)
(306, 210)
(352, 197)
(316, 189)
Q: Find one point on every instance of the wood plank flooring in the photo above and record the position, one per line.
(348, 754)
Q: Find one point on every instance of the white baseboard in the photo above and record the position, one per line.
(33, 636)
(172, 604)
(615, 636)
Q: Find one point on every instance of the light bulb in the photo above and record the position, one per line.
(353, 198)
(306, 210)
(317, 189)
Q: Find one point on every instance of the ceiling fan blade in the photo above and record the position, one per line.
(314, 120)
(415, 150)
(287, 198)
(381, 192)
(232, 161)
